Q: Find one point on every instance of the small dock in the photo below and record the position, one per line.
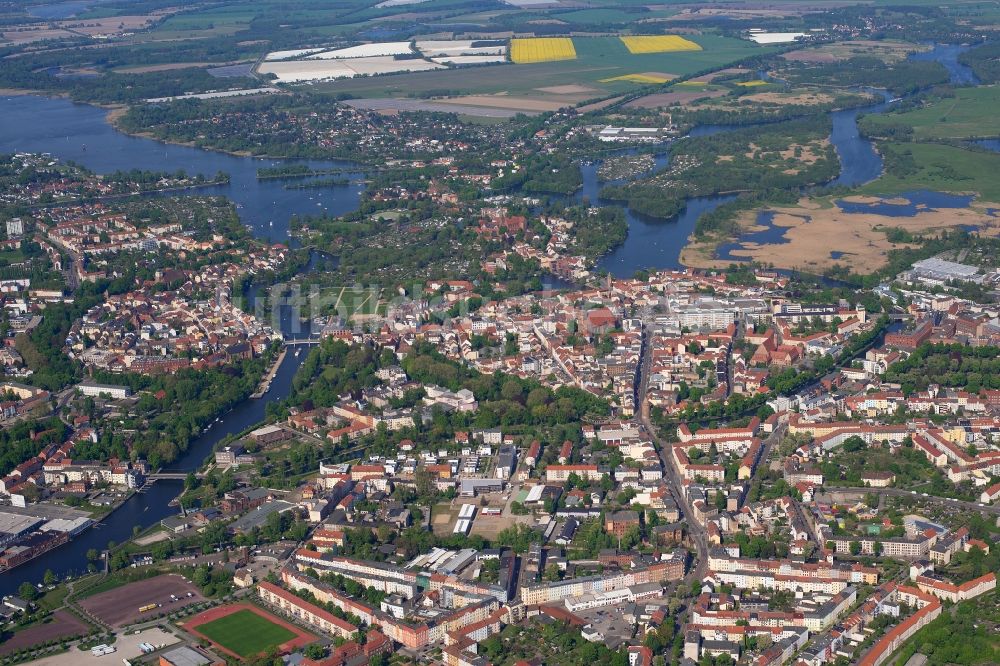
(265, 384)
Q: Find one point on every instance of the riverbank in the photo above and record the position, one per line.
(179, 189)
(265, 384)
(97, 519)
(115, 113)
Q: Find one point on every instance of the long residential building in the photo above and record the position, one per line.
(660, 572)
(305, 611)
(392, 579)
(928, 609)
(412, 635)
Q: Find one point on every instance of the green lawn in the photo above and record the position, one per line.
(246, 633)
(972, 112)
(930, 166)
(8, 257)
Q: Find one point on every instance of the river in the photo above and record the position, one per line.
(657, 243)
(80, 133)
(151, 504)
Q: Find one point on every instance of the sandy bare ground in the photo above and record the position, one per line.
(804, 99)
(28, 34)
(489, 527)
(705, 12)
(504, 102)
(61, 625)
(394, 106)
(569, 89)
(667, 99)
(813, 234)
(888, 50)
(120, 606)
(597, 106)
(868, 200)
(711, 76)
(810, 55)
(115, 113)
(808, 152)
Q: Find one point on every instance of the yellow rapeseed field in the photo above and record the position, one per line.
(658, 44)
(542, 49)
(752, 84)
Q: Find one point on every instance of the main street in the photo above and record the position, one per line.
(696, 531)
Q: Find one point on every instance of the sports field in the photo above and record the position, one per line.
(541, 49)
(246, 633)
(658, 44)
(244, 630)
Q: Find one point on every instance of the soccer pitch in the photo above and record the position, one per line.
(246, 633)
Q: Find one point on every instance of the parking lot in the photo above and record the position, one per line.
(127, 647)
(120, 606)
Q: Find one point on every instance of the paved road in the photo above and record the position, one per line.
(898, 492)
(768, 444)
(696, 530)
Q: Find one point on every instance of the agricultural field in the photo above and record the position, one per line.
(680, 96)
(969, 113)
(646, 78)
(296, 71)
(888, 51)
(364, 51)
(244, 631)
(541, 49)
(603, 66)
(639, 44)
(317, 63)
